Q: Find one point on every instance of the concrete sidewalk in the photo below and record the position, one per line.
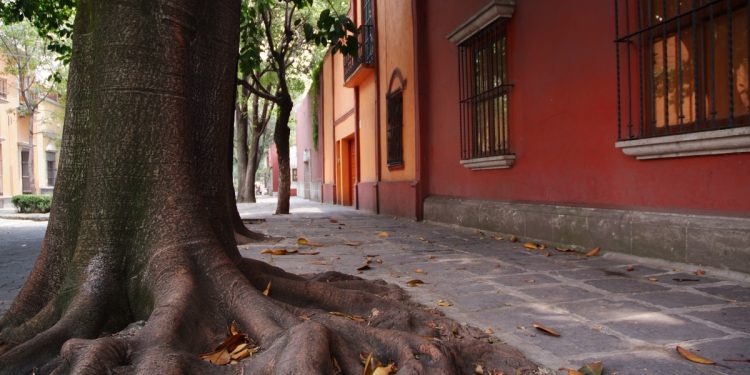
(629, 313)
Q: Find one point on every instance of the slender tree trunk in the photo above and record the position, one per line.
(32, 170)
(242, 152)
(281, 138)
(252, 166)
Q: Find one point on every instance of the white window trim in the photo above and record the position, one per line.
(485, 16)
(492, 162)
(713, 142)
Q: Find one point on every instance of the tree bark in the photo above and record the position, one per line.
(242, 152)
(139, 271)
(281, 138)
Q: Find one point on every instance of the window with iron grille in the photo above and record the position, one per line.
(682, 66)
(484, 89)
(395, 132)
(51, 168)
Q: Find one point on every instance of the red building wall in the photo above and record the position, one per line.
(563, 110)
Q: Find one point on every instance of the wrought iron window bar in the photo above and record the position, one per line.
(365, 51)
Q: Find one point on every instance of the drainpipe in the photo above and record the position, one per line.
(356, 147)
(419, 183)
(376, 40)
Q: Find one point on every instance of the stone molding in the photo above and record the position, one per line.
(492, 162)
(485, 16)
(713, 142)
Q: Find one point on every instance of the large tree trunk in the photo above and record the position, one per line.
(281, 138)
(142, 224)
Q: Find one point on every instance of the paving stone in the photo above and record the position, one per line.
(675, 299)
(524, 280)
(732, 292)
(484, 301)
(684, 279)
(606, 309)
(560, 293)
(652, 362)
(574, 339)
(733, 317)
(721, 350)
(624, 285)
(662, 328)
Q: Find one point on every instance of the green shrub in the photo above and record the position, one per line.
(26, 204)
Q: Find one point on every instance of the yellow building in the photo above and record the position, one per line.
(369, 114)
(27, 165)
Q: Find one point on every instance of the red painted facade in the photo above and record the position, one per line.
(562, 119)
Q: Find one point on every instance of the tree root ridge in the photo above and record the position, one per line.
(316, 324)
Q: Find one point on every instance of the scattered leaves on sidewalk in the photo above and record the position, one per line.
(513, 238)
(304, 242)
(594, 252)
(630, 268)
(383, 234)
(278, 251)
(546, 330)
(595, 368)
(479, 370)
(235, 348)
(267, 291)
(364, 267)
(333, 221)
(489, 331)
(692, 357)
(497, 238)
(570, 371)
(699, 272)
(423, 239)
(653, 279)
(565, 249)
(353, 243)
(419, 270)
(532, 245)
(444, 303)
(414, 282)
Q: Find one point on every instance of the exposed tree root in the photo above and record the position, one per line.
(196, 295)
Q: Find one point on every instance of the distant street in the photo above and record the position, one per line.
(19, 246)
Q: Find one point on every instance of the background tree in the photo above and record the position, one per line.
(36, 69)
(253, 115)
(139, 271)
(278, 36)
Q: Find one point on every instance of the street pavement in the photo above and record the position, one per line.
(630, 313)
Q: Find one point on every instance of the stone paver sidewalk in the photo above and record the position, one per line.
(628, 313)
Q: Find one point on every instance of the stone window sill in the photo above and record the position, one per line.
(714, 142)
(492, 162)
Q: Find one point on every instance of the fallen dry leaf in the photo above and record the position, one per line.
(267, 291)
(513, 238)
(699, 272)
(497, 238)
(630, 268)
(354, 318)
(414, 282)
(385, 370)
(653, 279)
(236, 347)
(570, 371)
(546, 330)
(479, 370)
(383, 234)
(489, 331)
(692, 357)
(431, 257)
(304, 242)
(419, 270)
(594, 368)
(565, 250)
(364, 267)
(548, 254)
(422, 239)
(532, 245)
(333, 221)
(278, 251)
(353, 243)
(444, 303)
(594, 252)
(308, 252)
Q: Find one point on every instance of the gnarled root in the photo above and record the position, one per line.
(198, 290)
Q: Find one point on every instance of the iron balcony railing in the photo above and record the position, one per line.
(682, 66)
(365, 51)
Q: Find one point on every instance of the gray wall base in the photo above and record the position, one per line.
(714, 241)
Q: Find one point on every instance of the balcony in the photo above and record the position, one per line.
(357, 68)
